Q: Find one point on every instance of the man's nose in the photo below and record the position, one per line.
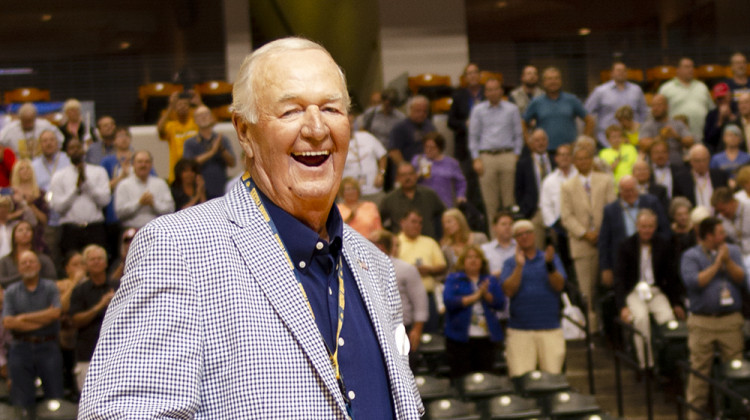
(313, 127)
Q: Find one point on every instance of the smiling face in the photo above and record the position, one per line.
(298, 146)
(28, 265)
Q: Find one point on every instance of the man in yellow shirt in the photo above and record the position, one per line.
(175, 132)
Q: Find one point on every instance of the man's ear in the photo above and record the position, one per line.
(243, 134)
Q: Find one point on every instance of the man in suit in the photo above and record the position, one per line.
(699, 182)
(662, 171)
(582, 201)
(642, 174)
(262, 303)
(531, 169)
(646, 281)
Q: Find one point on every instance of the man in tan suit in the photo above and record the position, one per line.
(582, 202)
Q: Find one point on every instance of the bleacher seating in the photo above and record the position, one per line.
(154, 98)
(26, 94)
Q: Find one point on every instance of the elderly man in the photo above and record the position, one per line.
(739, 82)
(212, 151)
(582, 201)
(88, 304)
(531, 170)
(495, 142)
(528, 90)
(642, 174)
(264, 291)
(405, 139)
(556, 111)
(663, 172)
(607, 98)
(533, 280)
(699, 182)
(79, 193)
(661, 127)
(412, 196)
(106, 145)
(176, 131)
(688, 96)
(646, 281)
(31, 311)
(22, 135)
(714, 277)
(142, 198)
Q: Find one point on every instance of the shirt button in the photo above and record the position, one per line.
(302, 264)
(330, 292)
(341, 341)
(319, 246)
(351, 395)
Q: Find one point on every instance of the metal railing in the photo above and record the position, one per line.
(719, 388)
(628, 358)
(589, 348)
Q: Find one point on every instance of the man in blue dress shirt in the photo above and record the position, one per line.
(262, 303)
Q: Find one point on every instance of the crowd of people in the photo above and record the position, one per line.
(608, 194)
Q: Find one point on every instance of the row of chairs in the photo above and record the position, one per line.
(216, 94)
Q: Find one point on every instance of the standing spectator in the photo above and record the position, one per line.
(620, 155)
(471, 296)
(735, 215)
(143, 197)
(550, 202)
(457, 236)
(424, 253)
(7, 160)
(31, 199)
(6, 225)
(410, 195)
(176, 131)
(642, 174)
(725, 113)
(646, 282)
(72, 124)
(212, 151)
(503, 246)
(556, 111)
(683, 230)
(688, 96)
(118, 166)
(21, 135)
(75, 274)
(22, 239)
(188, 188)
(410, 288)
(495, 142)
(528, 90)
(631, 128)
(117, 268)
(88, 305)
(698, 183)
(380, 119)
(738, 83)
(743, 183)
(439, 172)
(664, 172)
(661, 127)
(104, 143)
(607, 98)
(79, 193)
(531, 170)
(366, 162)
(714, 277)
(407, 137)
(533, 280)
(31, 310)
(743, 109)
(464, 100)
(361, 215)
(583, 198)
(732, 158)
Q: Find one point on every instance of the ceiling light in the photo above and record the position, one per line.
(124, 45)
(501, 4)
(584, 31)
(46, 17)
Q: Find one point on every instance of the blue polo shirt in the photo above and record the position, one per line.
(557, 117)
(707, 300)
(19, 300)
(360, 359)
(536, 305)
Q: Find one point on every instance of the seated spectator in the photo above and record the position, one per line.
(457, 235)
(646, 282)
(533, 280)
(31, 310)
(212, 151)
(72, 124)
(117, 268)
(188, 188)
(620, 156)
(439, 172)
(630, 128)
(366, 162)
(361, 215)
(74, 275)
(683, 234)
(88, 304)
(743, 184)
(22, 135)
(410, 288)
(31, 199)
(143, 197)
(732, 158)
(471, 296)
(408, 196)
(6, 224)
(424, 253)
(22, 240)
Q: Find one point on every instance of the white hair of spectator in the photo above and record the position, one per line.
(523, 223)
(244, 95)
(91, 248)
(27, 110)
(697, 148)
(645, 212)
(416, 98)
(699, 214)
(71, 104)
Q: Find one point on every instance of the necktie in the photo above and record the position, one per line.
(542, 168)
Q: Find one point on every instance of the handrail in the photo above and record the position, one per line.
(589, 351)
(717, 385)
(621, 356)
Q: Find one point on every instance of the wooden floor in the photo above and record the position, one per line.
(634, 397)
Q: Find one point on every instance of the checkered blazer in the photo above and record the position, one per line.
(209, 323)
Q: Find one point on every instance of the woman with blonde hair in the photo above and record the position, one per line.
(457, 235)
(363, 216)
(29, 199)
(73, 124)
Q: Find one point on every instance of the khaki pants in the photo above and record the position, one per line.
(705, 334)
(587, 270)
(640, 310)
(539, 230)
(81, 370)
(498, 181)
(527, 349)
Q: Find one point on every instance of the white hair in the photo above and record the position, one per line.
(416, 98)
(28, 109)
(245, 98)
(71, 104)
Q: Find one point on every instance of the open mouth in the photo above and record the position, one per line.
(312, 158)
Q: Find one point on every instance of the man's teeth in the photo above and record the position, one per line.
(320, 153)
